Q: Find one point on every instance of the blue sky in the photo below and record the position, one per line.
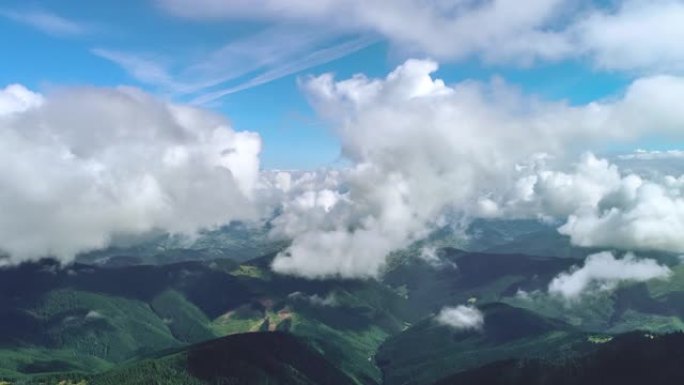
(80, 42)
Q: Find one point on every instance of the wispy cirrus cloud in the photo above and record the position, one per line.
(313, 59)
(47, 22)
(146, 70)
(239, 64)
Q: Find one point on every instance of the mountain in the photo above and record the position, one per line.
(630, 359)
(273, 358)
(235, 241)
(96, 321)
(430, 350)
(496, 236)
(656, 306)
(91, 318)
(459, 276)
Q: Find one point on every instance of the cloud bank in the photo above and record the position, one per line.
(638, 215)
(602, 206)
(424, 152)
(461, 317)
(82, 166)
(603, 271)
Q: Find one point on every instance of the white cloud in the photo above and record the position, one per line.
(461, 317)
(146, 70)
(603, 271)
(600, 205)
(47, 22)
(16, 98)
(422, 150)
(559, 194)
(445, 29)
(429, 255)
(94, 314)
(651, 165)
(240, 64)
(292, 66)
(630, 35)
(639, 215)
(653, 155)
(634, 35)
(89, 164)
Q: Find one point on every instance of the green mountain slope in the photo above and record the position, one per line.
(237, 242)
(460, 276)
(253, 358)
(86, 319)
(113, 314)
(632, 359)
(430, 350)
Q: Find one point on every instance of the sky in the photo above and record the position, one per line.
(353, 128)
(244, 66)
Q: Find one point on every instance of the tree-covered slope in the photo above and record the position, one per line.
(631, 359)
(430, 350)
(86, 319)
(55, 319)
(254, 358)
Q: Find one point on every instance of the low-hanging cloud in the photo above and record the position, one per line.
(461, 317)
(639, 215)
(603, 271)
(423, 152)
(599, 205)
(82, 166)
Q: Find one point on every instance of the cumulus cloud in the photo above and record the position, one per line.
(638, 215)
(82, 166)
(16, 98)
(603, 271)
(461, 317)
(634, 35)
(423, 151)
(631, 35)
(651, 164)
(600, 205)
(557, 194)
